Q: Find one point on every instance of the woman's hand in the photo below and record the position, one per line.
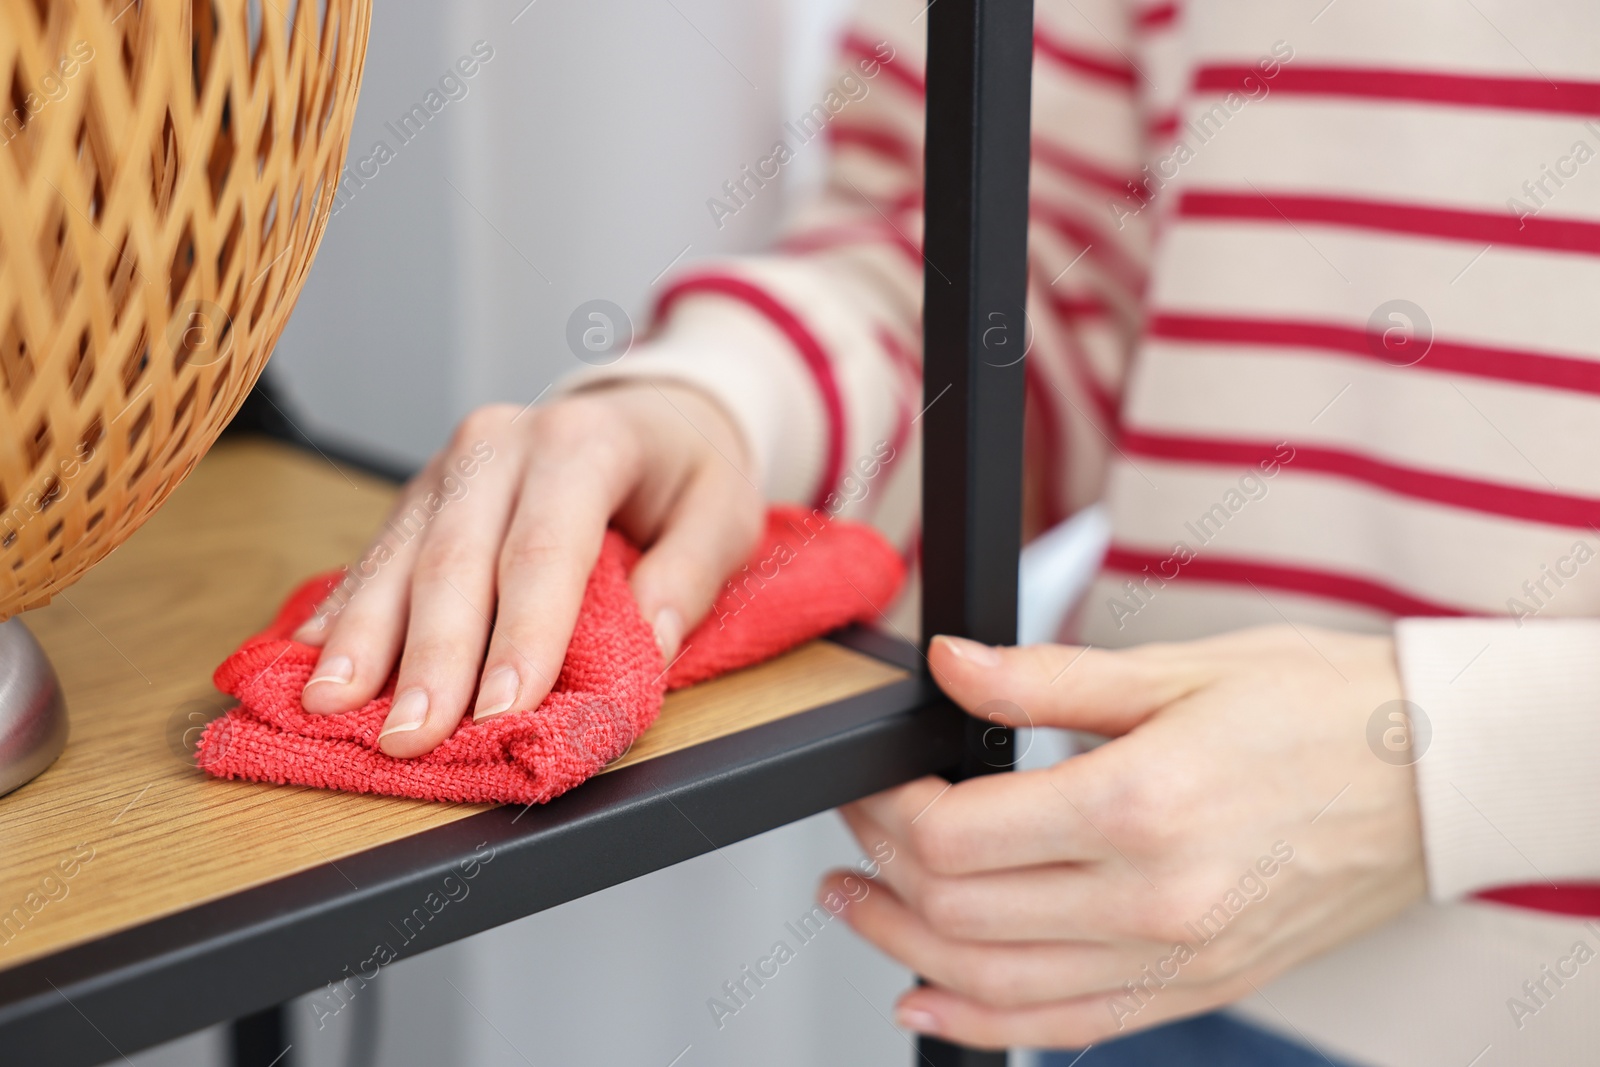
(474, 583)
(1236, 824)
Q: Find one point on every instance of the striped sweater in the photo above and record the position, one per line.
(1311, 294)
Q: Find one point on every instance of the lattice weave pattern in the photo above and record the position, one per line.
(167, 168)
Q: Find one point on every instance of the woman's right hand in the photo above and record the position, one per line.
(474, 584)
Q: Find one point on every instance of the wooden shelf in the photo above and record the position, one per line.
(135, 644)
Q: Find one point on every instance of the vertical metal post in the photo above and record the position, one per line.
(974, 329)
(975, 336)
(261, 1040)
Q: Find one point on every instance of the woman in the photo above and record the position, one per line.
(1308, 297)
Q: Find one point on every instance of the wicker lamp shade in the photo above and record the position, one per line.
(167, 168)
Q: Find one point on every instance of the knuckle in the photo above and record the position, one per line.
(949, 909)
(490, 422)
(1163, 919)
(365, 612)
(444, 559)
(933, 845)
(1144, 812)
(994, 980)
(570, 422)
(535, 552)
(425, 666)
(587, 427)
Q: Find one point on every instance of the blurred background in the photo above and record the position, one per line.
(574, 164)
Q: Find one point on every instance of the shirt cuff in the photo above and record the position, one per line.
(749, 367)
(1508, 764)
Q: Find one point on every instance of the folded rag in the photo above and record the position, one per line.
(810, 574)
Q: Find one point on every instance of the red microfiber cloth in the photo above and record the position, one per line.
(809, 575)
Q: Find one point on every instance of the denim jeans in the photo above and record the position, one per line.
(1214, 1040)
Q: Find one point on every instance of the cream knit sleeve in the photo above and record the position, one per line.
(1508, 765)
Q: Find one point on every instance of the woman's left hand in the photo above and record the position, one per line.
(1236, 823)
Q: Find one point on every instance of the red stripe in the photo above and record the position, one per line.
(1104, 399)
(885, 143)
(1068, 162)
(1163, 127)
(805, 343)
(906, 201)
(1490, 498)
(1101, 249)
(897, 443)
(1329, 585)
(910, 365)
(1074, 308)
(1576, 899)
(1515, 94)
(912, 552)
(1155, 18)
(1448, 357)
(1101, 68)
(1478, 227)
(1054, 443)
(911, 371)
(826, 238)
(1106, 402)
(857, 45)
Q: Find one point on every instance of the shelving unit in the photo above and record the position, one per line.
(190, 876)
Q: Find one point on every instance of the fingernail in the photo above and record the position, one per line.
(669, 632)
(971, 651)
(334, 669)
(916, 1019)
(407, 713)
(497, 693)
(311, 627)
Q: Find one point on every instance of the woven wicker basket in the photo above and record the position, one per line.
(166, 172)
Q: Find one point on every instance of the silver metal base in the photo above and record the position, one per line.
(33, 716)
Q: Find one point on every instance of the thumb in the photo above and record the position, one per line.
(1068, 686)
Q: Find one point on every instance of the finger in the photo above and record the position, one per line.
(1107, 901)
(314, 631)
(892, 816)
(1091, 689)
(1092, 903)
(543, 566)
(461, 525)
(896, 866)
(868, 834)
(1100, 902)
(896, 810)
(997, 974)
(712, 529)
(366, 615)
(1071, 1024)
(992, 822)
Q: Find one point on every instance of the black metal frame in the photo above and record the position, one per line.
(975, 339)
(238, 957)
